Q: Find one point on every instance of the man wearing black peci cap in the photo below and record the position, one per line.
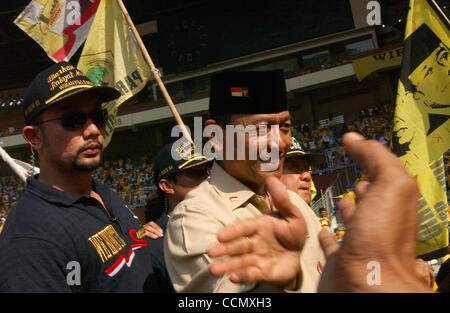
(68, 233)
(178, 170)
(236, 190)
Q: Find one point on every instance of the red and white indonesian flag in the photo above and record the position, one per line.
(239, 91)
(59, 26)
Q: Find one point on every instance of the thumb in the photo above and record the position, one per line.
(293, 235)
(280, 198)
(327, 243)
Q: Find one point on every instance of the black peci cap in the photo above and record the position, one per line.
(60, 82)
(252, 92)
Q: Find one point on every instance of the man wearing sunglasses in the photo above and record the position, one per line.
(69, 233)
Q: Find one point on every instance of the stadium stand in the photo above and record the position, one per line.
(334, 102)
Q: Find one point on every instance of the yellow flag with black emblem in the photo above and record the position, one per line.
(112, 57)
(420, 129)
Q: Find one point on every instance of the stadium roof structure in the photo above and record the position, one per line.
(22, 58)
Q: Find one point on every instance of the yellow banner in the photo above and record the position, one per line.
(377, 61)
(112, 57)
(421, 129)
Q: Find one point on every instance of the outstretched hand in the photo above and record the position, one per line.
(263, 249)
(381, 227)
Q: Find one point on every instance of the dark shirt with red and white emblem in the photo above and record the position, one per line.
(53, 241)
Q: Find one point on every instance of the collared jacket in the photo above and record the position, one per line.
(57, 242)
(219, 201)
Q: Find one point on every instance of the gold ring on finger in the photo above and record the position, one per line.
(249, 240)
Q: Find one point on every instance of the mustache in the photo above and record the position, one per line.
(90, 142)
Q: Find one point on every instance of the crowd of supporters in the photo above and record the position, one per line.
(11, 188)
(372, 122)
(134, 183)
(8, 132)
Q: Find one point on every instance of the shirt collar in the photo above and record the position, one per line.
(56, 196)
(229, 188)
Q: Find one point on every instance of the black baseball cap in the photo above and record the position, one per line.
(296, 151)
(177, 157)
(57, 83)
(248, 92)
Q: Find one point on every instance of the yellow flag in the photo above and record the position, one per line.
(313, 192)
(433, 231)
(421, 129)
(112, 57)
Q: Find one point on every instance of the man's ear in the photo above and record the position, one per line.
(166, 186)
(33, 135)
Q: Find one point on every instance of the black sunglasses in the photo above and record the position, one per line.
(78, 119)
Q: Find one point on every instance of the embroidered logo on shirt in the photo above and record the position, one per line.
(107, 242)
(128, 260)
(140, 233)
(234, 198)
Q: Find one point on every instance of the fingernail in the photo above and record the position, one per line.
(354, 136)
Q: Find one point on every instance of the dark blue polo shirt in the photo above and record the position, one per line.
(159, 280)
(56, 242)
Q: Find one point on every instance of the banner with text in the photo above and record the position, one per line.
(112, 57)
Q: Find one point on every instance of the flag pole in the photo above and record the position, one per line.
(437, 7)
(16, 168)
(155, 71)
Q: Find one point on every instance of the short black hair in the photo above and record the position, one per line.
(322, 209)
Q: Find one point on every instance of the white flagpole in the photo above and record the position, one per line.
(19, 167)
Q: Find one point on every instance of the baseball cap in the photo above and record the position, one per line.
(296, 151)
(248, 92)
(57, 83)
(165, 165)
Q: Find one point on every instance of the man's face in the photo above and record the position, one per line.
(254, 169)
(188, 180)
(297, 178)
(323, 213)
(431, 91)
(72, 149)
(402, 136)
